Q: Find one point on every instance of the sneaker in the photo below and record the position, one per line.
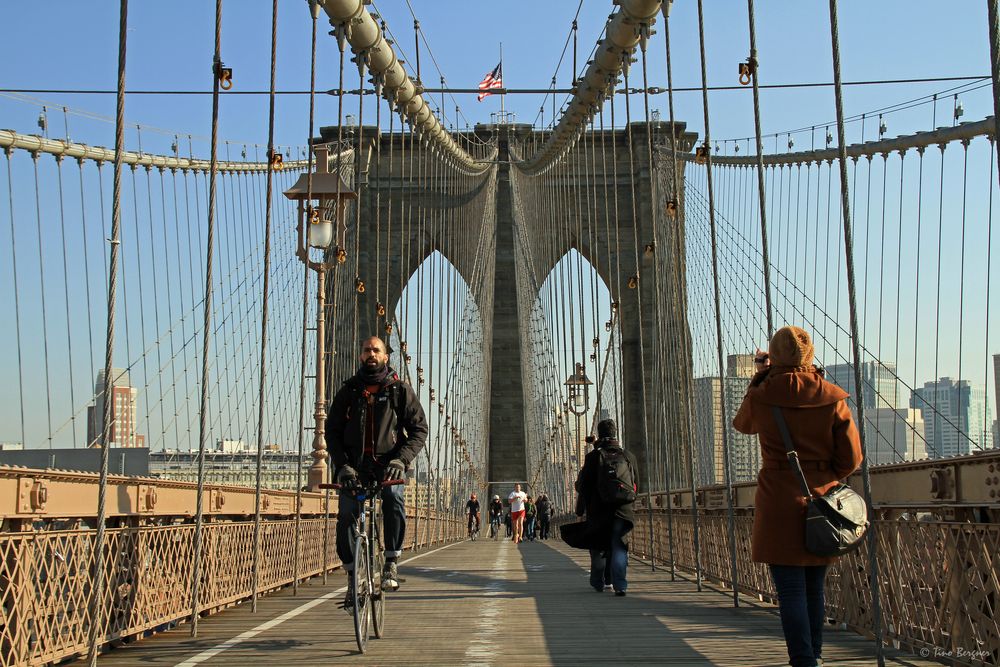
(620, 594)
(607, 587)
(348, 603)
(390, 577)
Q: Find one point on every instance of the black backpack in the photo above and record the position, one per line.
(615, 479)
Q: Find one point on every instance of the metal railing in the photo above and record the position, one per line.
(47, 557)
(938, 533)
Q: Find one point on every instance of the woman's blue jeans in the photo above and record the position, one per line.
(800, 604)
(611, 567)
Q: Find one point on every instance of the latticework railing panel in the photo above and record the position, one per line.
(45, 578)
(939, 581)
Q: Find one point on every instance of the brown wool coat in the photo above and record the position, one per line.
(828, 445)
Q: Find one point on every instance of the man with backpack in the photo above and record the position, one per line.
(607, 485)
(375, 428)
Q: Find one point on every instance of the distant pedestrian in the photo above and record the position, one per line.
(607, 486)
(544, 509)
(530, 514)
(508, 524)
(829, 449)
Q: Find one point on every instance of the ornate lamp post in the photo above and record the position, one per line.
(578, 390)
(322, 199)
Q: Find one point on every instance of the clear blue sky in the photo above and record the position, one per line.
(171, 44)
(62, 44)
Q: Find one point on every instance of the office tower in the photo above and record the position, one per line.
(123, 432)
(955, 416)
(708, 434)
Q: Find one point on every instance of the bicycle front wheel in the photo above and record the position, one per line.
(361, 579)
(378, 566)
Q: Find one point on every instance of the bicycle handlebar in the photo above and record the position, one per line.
(388, 482)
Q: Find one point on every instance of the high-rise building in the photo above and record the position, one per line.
(955, 416)
(740, 366)
(996, 396)
(878, 379)
(892, 436)
(708, 434)
(123, 431)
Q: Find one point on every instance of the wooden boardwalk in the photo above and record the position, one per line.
(494, 603)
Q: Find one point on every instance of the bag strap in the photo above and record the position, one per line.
(793, 456)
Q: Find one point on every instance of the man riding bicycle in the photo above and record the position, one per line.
(496, 515)
(472, 510)
(375, 428)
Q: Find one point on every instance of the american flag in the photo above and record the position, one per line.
(492, 80)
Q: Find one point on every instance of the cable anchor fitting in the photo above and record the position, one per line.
(388, 329)
(276, 160)
(224, 75)
(747, 69)
(380, 309)
(649, 249)
(633, 281)
(341, 254)
(359, 285)
(701, 153)
(672, 208)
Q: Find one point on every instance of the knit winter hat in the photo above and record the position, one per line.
(606, 428)
(790, 346)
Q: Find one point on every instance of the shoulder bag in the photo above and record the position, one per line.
(836, 521)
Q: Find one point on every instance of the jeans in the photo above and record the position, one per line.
(393, 524)
(800, 604)
(605, 570)
(543, 524)
(529, 529)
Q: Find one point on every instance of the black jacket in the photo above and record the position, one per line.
(401, 437)
(598, 512)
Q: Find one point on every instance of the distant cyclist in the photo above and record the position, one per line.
(496, 515)
(472, 510)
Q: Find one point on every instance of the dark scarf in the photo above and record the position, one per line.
(378, 377)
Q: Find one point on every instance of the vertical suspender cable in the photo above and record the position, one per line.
(855, 342)
(765, 255)
(659, 347)
(17, 301)
(264, 305)
(638, 295)
(207, 321)
(97, 577)
(994, 19)
(724, 425)
(686, 393)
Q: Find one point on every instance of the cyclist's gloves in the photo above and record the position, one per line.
(347, 476)
(395, 470)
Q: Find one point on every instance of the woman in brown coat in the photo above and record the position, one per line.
(829, 450)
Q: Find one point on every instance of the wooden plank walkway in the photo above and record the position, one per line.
(494, 603)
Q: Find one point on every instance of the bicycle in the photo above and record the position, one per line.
(369, 560)
(495, 529)
(473, 530)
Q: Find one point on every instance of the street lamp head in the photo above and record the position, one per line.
(578, 388)
(322, 196)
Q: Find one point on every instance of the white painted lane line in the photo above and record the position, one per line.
(278, 620)
(483, 646)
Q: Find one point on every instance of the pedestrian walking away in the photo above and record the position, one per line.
(517, 498)
(544, 514)
(375, 429)
(607, 485)
(829, 449)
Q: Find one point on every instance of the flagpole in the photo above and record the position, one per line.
(503, 116)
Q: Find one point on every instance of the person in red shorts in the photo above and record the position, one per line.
(517, 499)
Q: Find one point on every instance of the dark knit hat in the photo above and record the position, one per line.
(606, 428)
(790, 346)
